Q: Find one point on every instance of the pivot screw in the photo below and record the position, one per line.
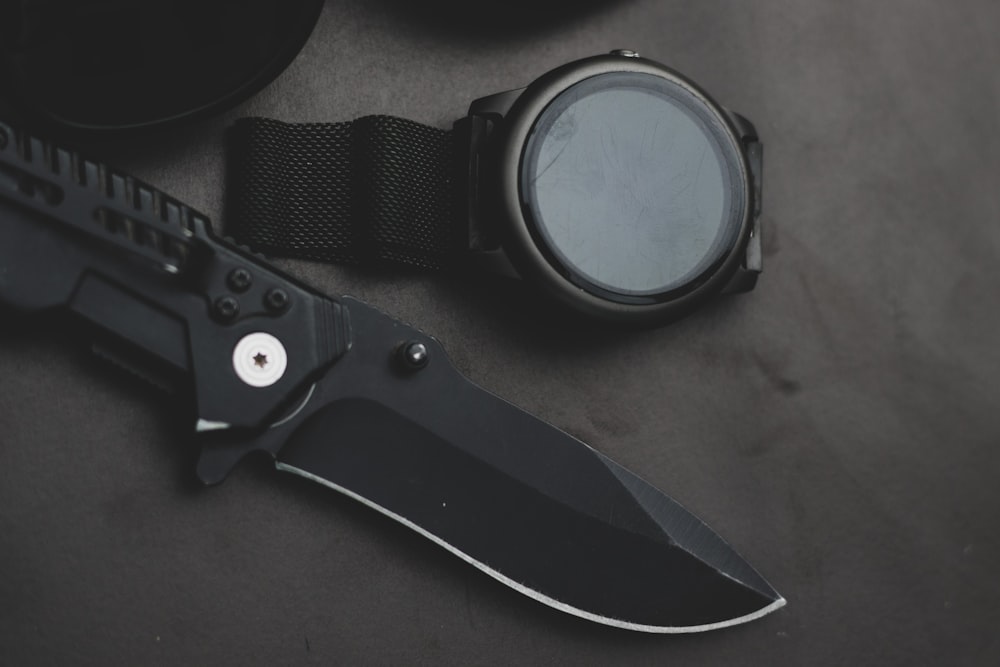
(413, 355)
(259, 359)
(276, 300)
(227, 308)
(239, 280)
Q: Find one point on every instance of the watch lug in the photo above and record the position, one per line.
(473, 133)
(497, 104)
(470, 134)
(745, 277)
(494, 262)
(753, 260)
(744, 128)
(485, 254)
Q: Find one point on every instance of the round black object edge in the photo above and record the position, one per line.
(544, 259)
(119, 65)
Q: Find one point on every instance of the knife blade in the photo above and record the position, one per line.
(353, 399)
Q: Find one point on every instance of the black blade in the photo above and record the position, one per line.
(524, 502)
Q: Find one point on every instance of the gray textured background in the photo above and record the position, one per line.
(840, 426)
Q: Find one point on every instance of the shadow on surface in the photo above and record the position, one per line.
(479, 20)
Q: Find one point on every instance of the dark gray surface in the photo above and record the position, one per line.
(840, 426)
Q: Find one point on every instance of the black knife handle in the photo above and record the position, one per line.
(97, 201)
(147, 269)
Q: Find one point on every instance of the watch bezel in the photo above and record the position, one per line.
(525, 246)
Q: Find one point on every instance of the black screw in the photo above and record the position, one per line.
(276, 299)
(227, 308)
(239, 280)
(413, 355)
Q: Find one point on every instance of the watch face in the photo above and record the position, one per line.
(632, 186)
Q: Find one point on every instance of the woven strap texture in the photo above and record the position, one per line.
(378, 189)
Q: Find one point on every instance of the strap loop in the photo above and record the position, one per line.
(378, 189)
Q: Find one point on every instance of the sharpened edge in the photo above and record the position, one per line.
(521, 588)
(751, 579)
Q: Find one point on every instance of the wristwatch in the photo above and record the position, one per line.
(613, 185)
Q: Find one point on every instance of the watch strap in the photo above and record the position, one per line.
(375, 190)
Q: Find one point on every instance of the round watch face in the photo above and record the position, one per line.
(632, 186)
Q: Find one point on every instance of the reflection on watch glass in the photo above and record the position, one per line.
(629, 180)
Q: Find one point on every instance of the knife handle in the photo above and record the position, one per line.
(139, 265)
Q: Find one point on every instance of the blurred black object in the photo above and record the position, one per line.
(104, 65)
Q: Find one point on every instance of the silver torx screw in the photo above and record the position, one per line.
(259, 359)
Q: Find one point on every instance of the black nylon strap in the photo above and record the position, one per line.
(378, 189)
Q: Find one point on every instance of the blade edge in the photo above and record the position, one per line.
(521, 588)
(667, 510)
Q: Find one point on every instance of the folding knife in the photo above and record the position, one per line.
(345, 395)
